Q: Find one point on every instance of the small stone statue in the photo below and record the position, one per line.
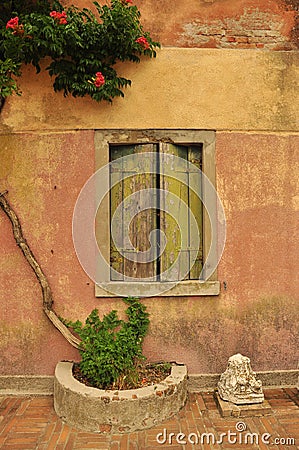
(238, 383)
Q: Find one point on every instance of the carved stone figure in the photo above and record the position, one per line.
(238, 383)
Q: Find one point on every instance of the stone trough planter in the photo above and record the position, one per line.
(122, 411)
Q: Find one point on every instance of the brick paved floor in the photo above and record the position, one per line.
(31, 423)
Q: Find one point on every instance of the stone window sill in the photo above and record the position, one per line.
(182, 289)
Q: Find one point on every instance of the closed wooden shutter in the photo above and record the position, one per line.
(177, 212)
(182, 223)
(132, 233)
(195, 205)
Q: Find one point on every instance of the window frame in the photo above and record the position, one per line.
(103, 140)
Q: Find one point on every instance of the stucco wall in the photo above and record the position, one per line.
(258, 312)
(181, 88)
(47, 153)
(263, 24)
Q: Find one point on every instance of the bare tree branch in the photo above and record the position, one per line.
(45, 287)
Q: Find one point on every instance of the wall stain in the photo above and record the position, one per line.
(254, 329)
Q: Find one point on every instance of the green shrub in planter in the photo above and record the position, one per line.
(111, 347)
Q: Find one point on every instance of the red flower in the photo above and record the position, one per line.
(129, 1)
(60, 17)
(18, 30)
(143, 42)
(100, 79)
(13, 23)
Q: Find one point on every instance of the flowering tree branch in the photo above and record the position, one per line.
(83, 48)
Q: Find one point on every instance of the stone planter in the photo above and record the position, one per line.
(97, 410)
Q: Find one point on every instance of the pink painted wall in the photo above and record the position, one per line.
(256, 315)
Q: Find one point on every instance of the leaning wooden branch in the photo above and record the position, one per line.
(46, 290)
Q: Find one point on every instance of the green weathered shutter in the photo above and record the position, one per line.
(174, 220)
(179, 201)
(131, 178)
(195, 204)
(183, 234)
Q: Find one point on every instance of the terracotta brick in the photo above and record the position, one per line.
(114, 445)
(246, 45)
(31, 429)
(37, 412)
(58, 426)
(292, 430)
(41, 447)
(168, 447)
(201, 403)
(290, 419)
(195, 408)
(22, 438)
(7, 425)
(151, 438)
(19, 447)
(123, 442)
(53, 441)
(184, 426)
(41, 401)
(64, 434)
(134, 437)
(242, 39)
(10, 406)
(189, 446)
(116, 437)
(98, 445)
(59, 447)
(48, 432)
(200, 426)
(70, 441)
(95, 438)
(141, 439)
(24, 405)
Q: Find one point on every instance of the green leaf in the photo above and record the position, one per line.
(76, 49)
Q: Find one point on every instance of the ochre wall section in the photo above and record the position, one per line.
(181, 88)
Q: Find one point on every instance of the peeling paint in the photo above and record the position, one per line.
(252, 29)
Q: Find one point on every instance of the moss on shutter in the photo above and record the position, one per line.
(183, 243)
(181, 185)
(130, 179)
